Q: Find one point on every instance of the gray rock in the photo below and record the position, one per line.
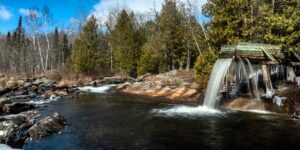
(14, 131)
(44, 81)
(47, 126)
(18, 135)
(5, 127)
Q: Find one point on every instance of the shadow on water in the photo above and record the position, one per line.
(117, 121)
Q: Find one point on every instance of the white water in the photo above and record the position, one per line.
(100, 89)
(6, 147)
(269, 89)
(52, 98)
(279, 100)
(298, 81)
(291, 76)
(254, 80)
(216, 79)
(256, 111)
(186, 111)
(246, 75)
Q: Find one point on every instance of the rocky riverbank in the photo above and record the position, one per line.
(19, 97)
(177, 85)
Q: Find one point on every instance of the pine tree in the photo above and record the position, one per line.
(281, 25)
(65, 48)
(56, 58)
(8, 51)
(19, 46)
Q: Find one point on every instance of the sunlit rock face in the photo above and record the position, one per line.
(176, 85)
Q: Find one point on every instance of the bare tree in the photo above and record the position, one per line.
(34, 24)
(46, 22)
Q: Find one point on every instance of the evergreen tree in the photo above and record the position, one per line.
(56, 58)
(65, 48)
(124, 45)
(19, 46)
(281, 25)
(8, 51)
(171, 26)
(152, 57)
(86, 49)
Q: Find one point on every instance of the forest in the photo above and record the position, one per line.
(134, 44)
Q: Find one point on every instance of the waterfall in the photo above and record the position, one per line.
(291, 74)
(298, 81)
(216, 79)
(269, 88)
(241, 63)
(254, 79)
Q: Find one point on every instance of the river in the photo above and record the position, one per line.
(114, 121)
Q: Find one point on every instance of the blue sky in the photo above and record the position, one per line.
(63, 11)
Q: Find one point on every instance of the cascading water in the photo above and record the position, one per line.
(291, 74)
(269, 89)
(254, 79)
(246, 75)
(216, 79)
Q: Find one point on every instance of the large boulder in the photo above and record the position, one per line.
(8, 126)
(5, 127)
(44, 82)
(13, 129)
(18, 135)
(47, 126)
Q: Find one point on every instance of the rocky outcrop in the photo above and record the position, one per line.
(47, 126)
(16, 131)
(175, 85)
(40, 88)
(21, 124)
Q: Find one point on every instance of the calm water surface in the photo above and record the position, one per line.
(122, 122)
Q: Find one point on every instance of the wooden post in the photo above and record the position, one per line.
(266, 77)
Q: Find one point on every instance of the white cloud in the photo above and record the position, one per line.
(5, 14)
(74, 20)
(26, 12)
(102, 8)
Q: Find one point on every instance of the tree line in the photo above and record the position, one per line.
(134, 44)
